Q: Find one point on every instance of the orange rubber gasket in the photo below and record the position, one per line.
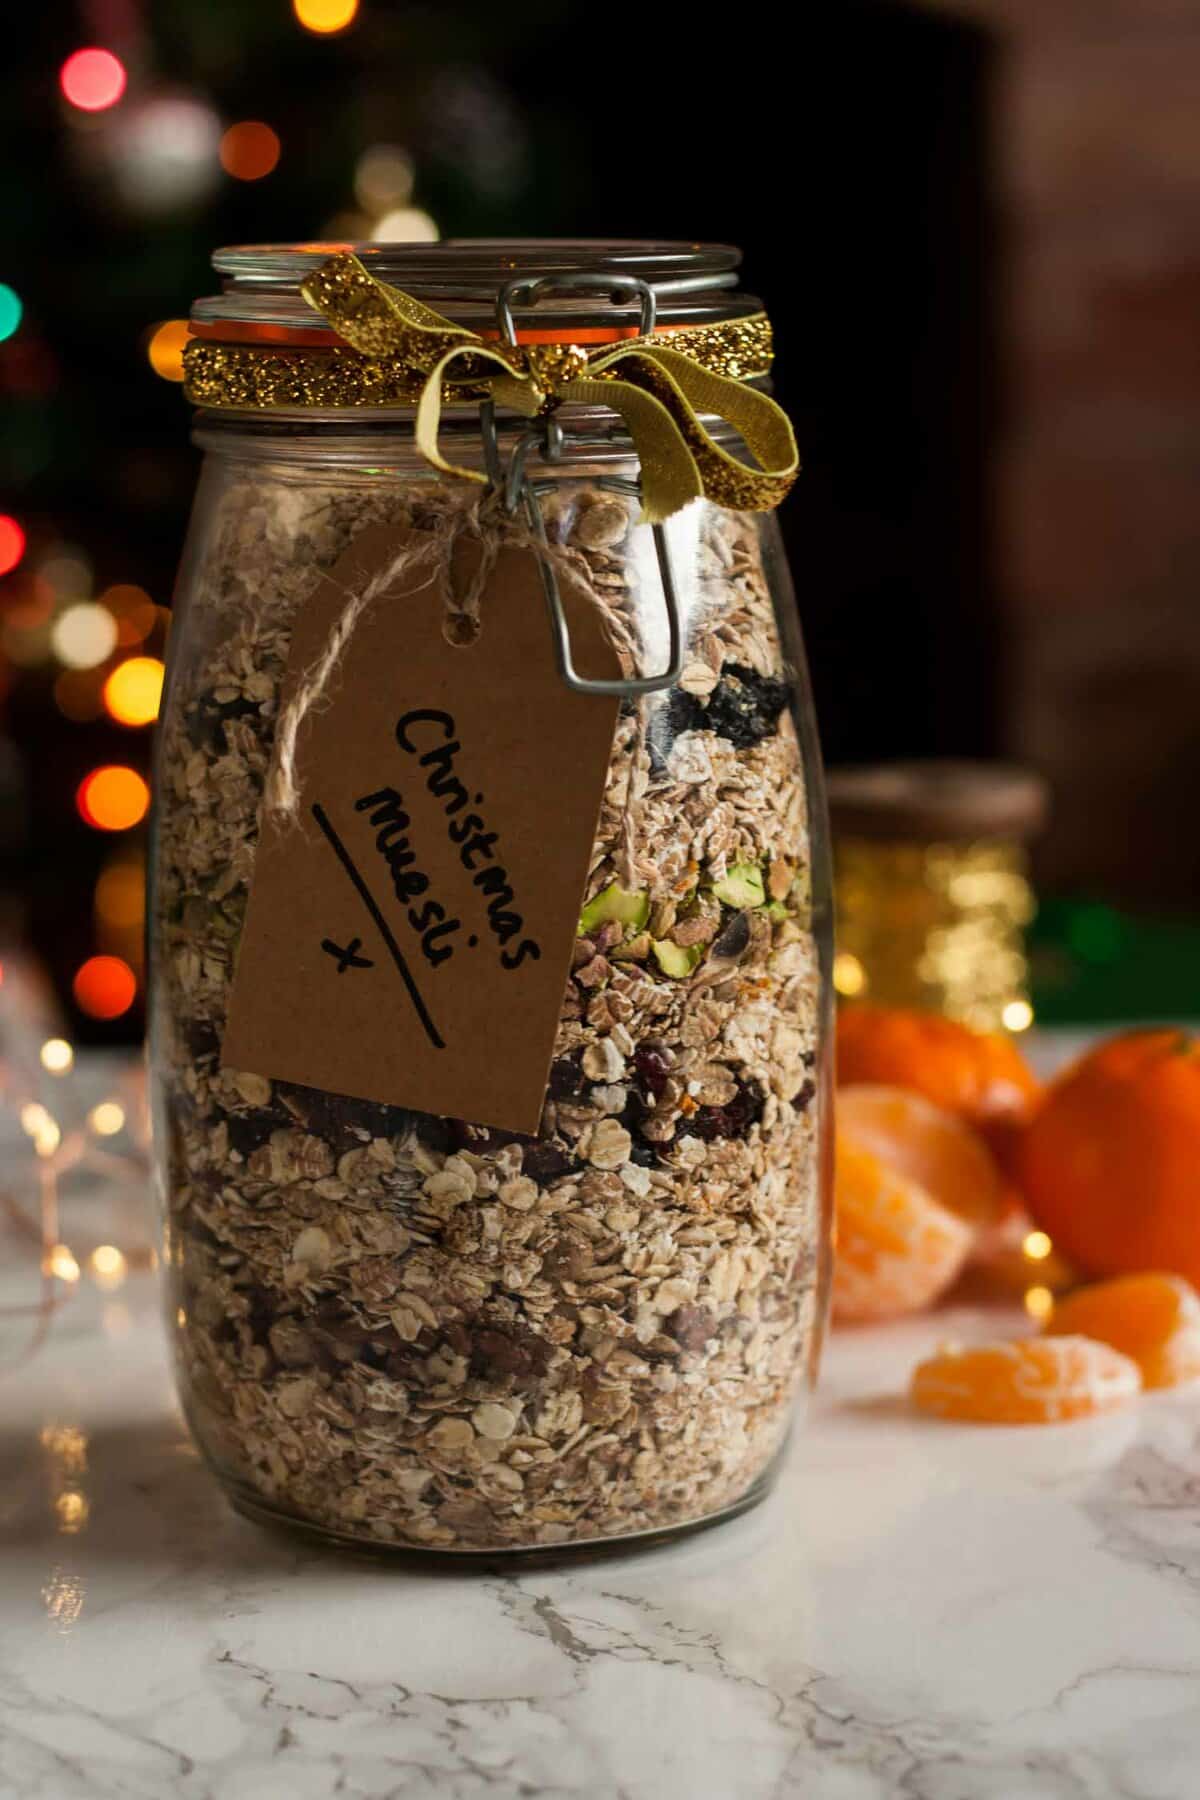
(283, 337)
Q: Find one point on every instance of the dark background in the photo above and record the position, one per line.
(970, 226)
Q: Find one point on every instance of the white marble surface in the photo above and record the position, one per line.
(920, 1609)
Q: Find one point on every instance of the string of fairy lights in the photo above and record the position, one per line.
(103, 646)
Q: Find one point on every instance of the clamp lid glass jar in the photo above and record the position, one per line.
(406, 1328)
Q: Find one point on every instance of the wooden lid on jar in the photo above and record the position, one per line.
(937, 801)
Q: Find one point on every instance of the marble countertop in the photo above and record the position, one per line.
(920, 1609)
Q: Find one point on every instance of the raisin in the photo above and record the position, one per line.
(546, 1162)
(566, 1079)
(691, 1326)
(343, 1123)
(803, 1099)
(745, 706)
(202, 1039)
(508, 1353)
(734, 939)
(249, 1131)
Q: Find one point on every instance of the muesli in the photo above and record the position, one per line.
(413, 1331)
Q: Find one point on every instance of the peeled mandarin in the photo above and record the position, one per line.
(927, 1145)
(1155, 1319)
(1031, 1381)
(897, 1249)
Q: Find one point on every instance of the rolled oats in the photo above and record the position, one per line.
(414, 1330)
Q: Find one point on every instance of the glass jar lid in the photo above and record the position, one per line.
(461, 277)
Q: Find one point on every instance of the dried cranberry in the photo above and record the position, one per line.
(733, 1120)
(651, 1065)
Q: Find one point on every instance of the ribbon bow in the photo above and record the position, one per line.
(659, 392)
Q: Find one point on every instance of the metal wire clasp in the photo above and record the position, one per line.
(547, 438)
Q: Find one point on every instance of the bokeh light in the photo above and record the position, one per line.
(1017, 1015)
(162, 152)
(56, 1056)
(66, 572)
(112, 798)
(92, 79)
(12, 543)
(1039, 1303)
(134, 611)
(383, 178)
(61, 1263)
(249, 150)
(107, 1119)
(108, 1266)
(325, 16)
(78, 695)
(165, 348)
(38, 1123)
(104, 987)
(72, 1509)
(84, 635)
(849, 976)
(10, 311)
(133, 690)
(1037, 1246)
(406, 225)
(120, 900)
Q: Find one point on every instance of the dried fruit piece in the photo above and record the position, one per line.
(897, 1249)
(1155, 1319)
(928, 1146)
(1032, 1381)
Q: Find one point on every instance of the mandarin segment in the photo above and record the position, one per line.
(927, 1145)
(897, 1249)
(1031, 1381)
(1155, 1319)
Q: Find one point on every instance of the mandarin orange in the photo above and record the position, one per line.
(979, 1076)
(1110, 1165)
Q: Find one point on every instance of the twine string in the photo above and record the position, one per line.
(461, 515)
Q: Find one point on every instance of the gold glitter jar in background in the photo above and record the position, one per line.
(932, 887)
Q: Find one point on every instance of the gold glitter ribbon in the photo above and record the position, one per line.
(402, 352)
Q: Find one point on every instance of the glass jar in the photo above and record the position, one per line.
(931, 866)
(415, 1332)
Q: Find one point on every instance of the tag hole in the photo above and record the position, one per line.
(460, 630)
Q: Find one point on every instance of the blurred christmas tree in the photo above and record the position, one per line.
(137, 138)
(140, 134)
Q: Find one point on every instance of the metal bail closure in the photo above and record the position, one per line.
(547, 438)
